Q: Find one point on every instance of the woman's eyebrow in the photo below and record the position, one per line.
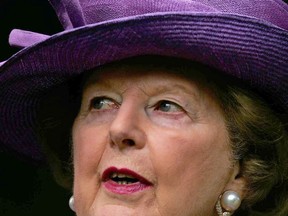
(177, 88)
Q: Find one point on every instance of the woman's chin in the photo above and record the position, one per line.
(108, 210)
(113, 209)
(111, 203)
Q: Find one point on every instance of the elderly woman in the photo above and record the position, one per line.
(161, 107)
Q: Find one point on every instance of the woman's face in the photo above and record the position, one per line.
(149, 142)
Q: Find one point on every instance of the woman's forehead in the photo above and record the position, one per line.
(129, 76)
(145, 68)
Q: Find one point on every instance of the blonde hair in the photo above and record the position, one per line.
(260, 142)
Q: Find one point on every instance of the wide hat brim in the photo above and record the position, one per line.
(251, 50)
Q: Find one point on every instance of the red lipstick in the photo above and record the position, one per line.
(124, 181)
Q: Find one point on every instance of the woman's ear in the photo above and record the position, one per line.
(237, 181)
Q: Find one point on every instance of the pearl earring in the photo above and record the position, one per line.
(230, 201)
(71, 203)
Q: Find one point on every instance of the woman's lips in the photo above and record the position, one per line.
(124, 181)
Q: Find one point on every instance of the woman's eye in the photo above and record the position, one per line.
(102, 103)
(168, 106)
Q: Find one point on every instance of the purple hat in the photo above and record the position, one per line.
(247, 39)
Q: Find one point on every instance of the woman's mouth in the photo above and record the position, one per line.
(124, 181)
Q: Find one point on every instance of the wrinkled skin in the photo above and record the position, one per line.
(161, 125)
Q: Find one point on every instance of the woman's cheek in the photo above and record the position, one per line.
(87, 154)
(87, 148)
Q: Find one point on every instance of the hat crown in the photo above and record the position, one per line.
(76, 13)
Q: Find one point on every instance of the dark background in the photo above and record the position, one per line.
(28, 189)
(32, 15)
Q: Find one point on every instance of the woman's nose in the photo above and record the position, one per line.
(127, 129)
